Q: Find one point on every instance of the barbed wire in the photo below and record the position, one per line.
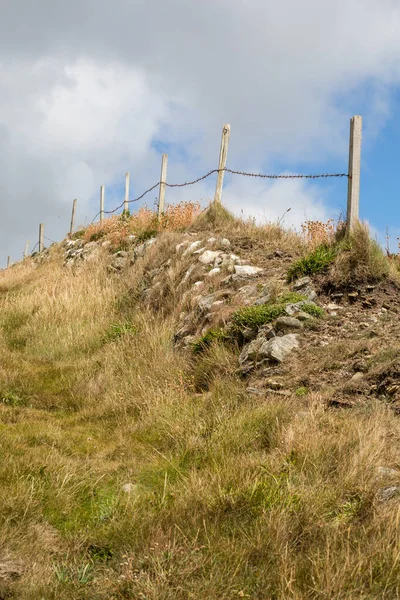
(319, 176)
(110, 212)
(175, 185)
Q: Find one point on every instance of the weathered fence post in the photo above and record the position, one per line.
(126, 200)
(71, 229)
(353, 192)
(101, 203)
(226, 131)
(163, 180)
(41, 237)
(8, 261)
(26, 249)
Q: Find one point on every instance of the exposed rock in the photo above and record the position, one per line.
(192, 247)
(199, 251)
(179, 247)
(279, 347)
(214, 271)
(388, 493)
(287, 323)
(225, 243)
(303, 316)
(247, 270)
(276, 349)
(387, 472)
(206, 302)
(209, 256)
(249, 334)
(247, 294)
(301, 283)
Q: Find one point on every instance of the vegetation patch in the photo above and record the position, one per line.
(254, 317)
(314, 262)
(212, 336)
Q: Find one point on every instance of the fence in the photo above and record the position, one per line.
(353, 176)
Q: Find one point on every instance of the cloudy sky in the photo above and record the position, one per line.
(90, 89)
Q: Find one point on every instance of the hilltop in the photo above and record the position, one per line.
(200, 408)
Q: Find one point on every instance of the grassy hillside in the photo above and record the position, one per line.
(133, 467)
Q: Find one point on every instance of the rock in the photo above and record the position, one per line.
(293, 309)
(106, 244)
(274, 385)
(121, 253)
(333, 306)
(352, 296)
(198, 284)
(206, 302)
(209, 256)
(301, 283)
(275, 349)
(179, 247)
(213, 272)
(89, 247)
(279, 347)
(357, 377)
(388, 493)
(247, 294)
(225, 243)
(285, 323)
(199, 251)
(128, 488)
(192, 247)
(249, 334)
(263, 300)
(303, 316)
(387, 472)
(247, 270)
(119, 263)
(211, 240)
(188, 274)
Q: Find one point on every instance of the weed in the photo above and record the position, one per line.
(254, 317)
(301, 391)
(314, 262)
(313, 309)
(119, 330)
(212, 336)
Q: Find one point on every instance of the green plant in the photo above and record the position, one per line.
(118, 330)
(301, 391)
(255, 317)
(11, 399)
(313, 262)
(313, 309)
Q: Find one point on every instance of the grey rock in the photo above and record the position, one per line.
(225, 243)
(275, 349)
(294, 309)
(247, 294)
(209, 256)
(249, 334)
(247, 271)
(213, 272)
(279, 347)
(192, 247)
(285, 323)
(263, 300)
(119, 263)
(301, 283)
(89, 247)
(387, 472)
(303, 316)
(121, 253)
(388, 493)
(206, 302)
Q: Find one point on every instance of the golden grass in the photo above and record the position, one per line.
(230, 495)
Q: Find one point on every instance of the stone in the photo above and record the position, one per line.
(301, 283)
(263, 300)
(293, 309)
(247, 271)
(357, 377)
(89, 247)
(247, 294)
(130, 488)
(225, 243)
(249, 334)
(179, 247)
(387, 472)
(206, 302)
(217, 303)
(121, 253)
(284, 323)
(198, 284)
(188, 274)
(333, 306)
(192, 247)
(388, 493)
(303, 316)
(209, 256)
(275, 349)
(278, 348)
(119, 263)
(211, 240)
(199, 251)
(214, 271)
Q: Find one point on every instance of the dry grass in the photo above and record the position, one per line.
(231, 496)
(144, 223)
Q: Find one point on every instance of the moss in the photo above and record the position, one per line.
(313, 262)
(313, 310)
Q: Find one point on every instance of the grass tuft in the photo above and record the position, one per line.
(314, 262)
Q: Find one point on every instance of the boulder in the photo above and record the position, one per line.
(287, 323)
(279, 347)
(247, 271)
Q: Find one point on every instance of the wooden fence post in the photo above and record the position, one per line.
(101, 203)
(26, 249)
(126, 200)
(353, 191)
(41, 237)
(8, 261)
(163, 180)
(71, 229)
(223, 154)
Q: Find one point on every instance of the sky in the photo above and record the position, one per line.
(91, 89)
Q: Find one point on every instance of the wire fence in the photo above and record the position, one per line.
(225, 170)
(353, 177)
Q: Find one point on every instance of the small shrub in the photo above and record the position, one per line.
(314, 262)
(11, 399)
(118, 330)
(301, 391)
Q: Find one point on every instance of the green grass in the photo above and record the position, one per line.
(254, 317)
(210, 337)
(314, 262)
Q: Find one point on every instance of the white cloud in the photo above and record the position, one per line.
(88, 89)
